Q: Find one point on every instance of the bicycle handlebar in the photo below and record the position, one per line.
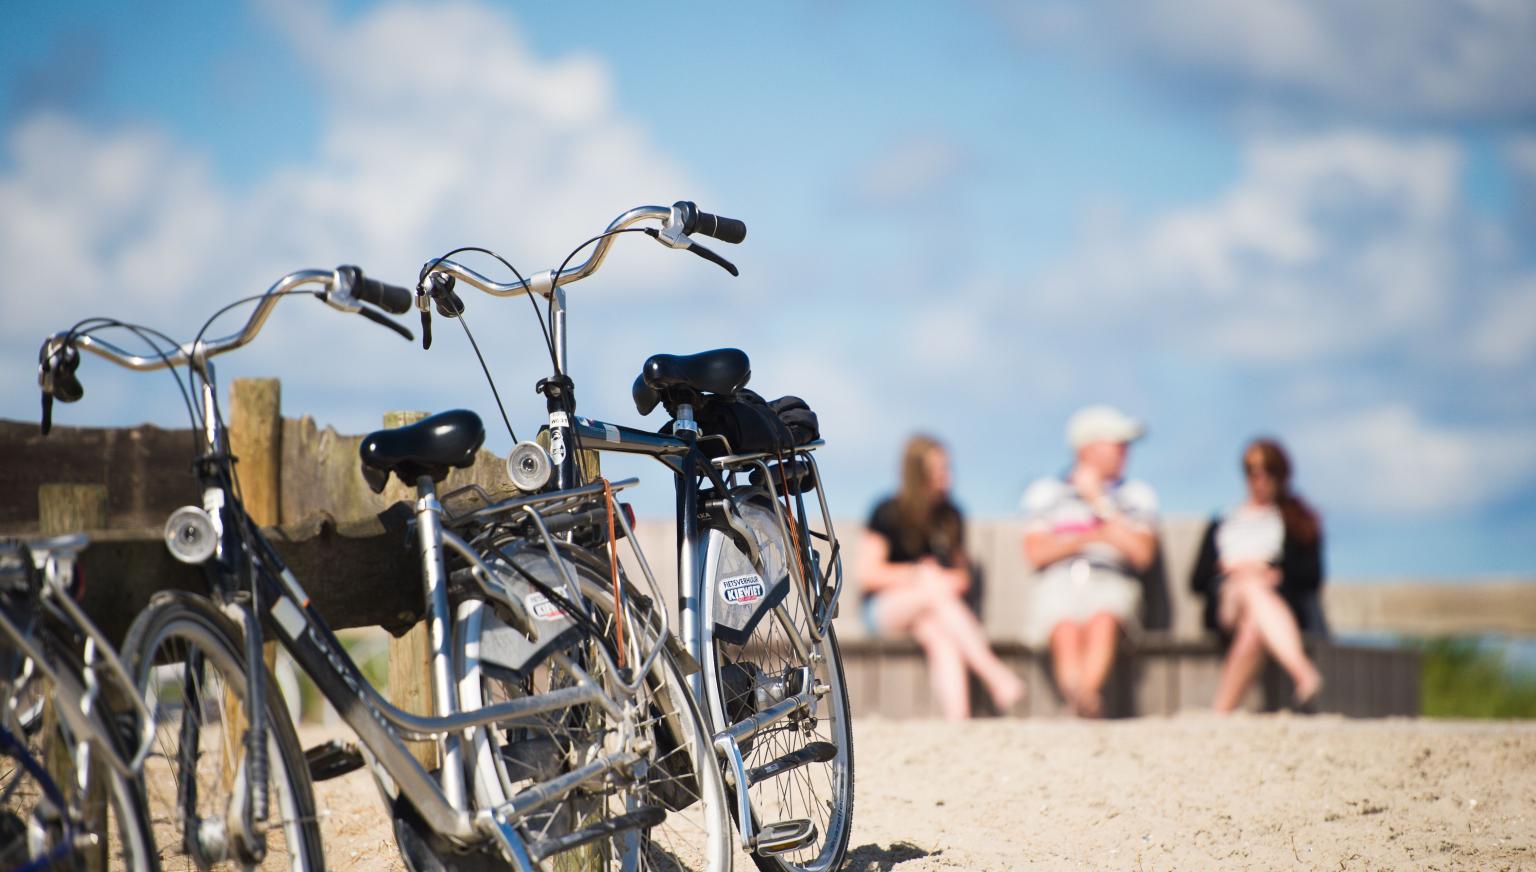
(678, 220)
(344, 288)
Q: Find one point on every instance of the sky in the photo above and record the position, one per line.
(1313, 220)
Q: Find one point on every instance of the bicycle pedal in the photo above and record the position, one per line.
(783, 837)
(641, 818)
(815, 752)
(333, 759)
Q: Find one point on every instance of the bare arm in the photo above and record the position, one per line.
(1138, 544)
(877, 573)
(1043, 547)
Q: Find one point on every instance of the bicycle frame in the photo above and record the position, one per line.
(382, 727)
(248, 579)
(76, 697)
(680, 453)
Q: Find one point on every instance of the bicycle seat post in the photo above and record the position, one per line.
(429, 513)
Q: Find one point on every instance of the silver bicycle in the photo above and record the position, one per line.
(565, 735)
(73, 735)
(759, 574)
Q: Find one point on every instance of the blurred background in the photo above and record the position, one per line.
(1314, 220)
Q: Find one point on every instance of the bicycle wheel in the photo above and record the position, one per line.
(187, 659)
(44, 811)
(756, 652)
(668, 814)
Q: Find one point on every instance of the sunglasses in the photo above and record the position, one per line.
(1253, 470)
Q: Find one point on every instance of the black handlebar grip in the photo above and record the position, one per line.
(724, 229)
(391, 298)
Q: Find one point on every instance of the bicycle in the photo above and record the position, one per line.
(611, 751)
(772, 689)
(66, 705)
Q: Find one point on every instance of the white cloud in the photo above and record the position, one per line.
(1505, 335)
(916, 169)
(1416, 58)
(1387, 460)
(1331, 246)
(418, 149)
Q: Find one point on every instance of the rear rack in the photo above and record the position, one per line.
(824, 607)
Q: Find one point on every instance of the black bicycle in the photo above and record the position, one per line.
(73, 737)
(565, 734)
(759, 574)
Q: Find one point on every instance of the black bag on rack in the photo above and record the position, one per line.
(746, 420)
(798, 417)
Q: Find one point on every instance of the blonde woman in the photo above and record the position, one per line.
(914, 575)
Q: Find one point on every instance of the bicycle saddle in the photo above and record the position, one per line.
(430, 446)
(723, 371)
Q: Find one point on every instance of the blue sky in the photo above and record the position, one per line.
(1310, 219)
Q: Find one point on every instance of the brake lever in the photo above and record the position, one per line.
(385, 320)
(708, 255)
(677, 239)
(47, 422)
(425, 309)
(447, 303)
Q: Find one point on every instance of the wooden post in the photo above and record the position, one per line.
(68, 508)
(256, 438)
(256, 441)
(410, 655)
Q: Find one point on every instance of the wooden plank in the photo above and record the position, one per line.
(145, 470)
(1151, 685)
(1434, 609)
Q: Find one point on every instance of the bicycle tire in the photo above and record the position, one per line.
(737, 670)
(695, 833)
(186, 632)
(122, 811)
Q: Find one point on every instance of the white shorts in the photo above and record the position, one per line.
(1065, 592)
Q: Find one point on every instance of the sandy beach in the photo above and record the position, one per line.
(1190, 792)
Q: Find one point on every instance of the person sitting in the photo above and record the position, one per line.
(1090, 535)
(1260, 569)
(914, 575)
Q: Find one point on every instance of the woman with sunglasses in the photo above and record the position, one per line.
(1260, 569)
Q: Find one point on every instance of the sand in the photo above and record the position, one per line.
(1191, 792)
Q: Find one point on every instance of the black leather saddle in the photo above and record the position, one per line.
(674, 377)
(431, 446)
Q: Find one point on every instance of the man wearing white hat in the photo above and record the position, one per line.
(1090, 534)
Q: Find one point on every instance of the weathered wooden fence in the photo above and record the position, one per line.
(350, 548)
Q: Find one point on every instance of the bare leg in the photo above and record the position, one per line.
(1066, 660)
(1281, 636)
(902, 607)
(946, 668)
(1241, 666)
(971, 639)
(1099, 641)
